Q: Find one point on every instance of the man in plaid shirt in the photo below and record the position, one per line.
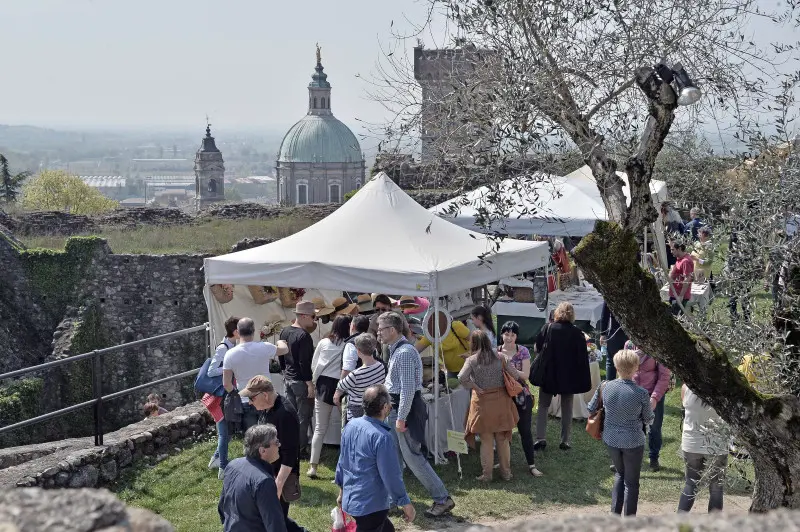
(404, 382)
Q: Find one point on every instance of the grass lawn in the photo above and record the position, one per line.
(182, 490)
(215, 236)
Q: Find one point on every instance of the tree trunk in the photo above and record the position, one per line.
(768, 426)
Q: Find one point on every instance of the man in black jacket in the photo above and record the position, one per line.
(249, 501)
(614, 338)
(275, 410)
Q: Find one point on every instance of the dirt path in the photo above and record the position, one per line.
(736, 504)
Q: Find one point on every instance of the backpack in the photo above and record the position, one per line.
(210, 385)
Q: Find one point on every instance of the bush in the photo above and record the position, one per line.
(56, 190)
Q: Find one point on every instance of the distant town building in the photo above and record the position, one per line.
(320, 159)
(209, 171)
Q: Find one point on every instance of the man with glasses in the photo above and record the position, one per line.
(409, 415)
(274, 410)
(249, 498)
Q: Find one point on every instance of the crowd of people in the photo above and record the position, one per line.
(370, 366)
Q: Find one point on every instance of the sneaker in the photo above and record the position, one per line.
(565, 446)
(214, 463)
(539, 445)
(312, 472)
(439, 509)
(655, 466)
(612, 468)
(220, 474)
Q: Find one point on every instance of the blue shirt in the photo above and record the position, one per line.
(627, 409)
(693, 226)
(249, 499)
(368, 470)
(405, 375)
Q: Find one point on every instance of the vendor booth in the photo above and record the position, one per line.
(380, 241)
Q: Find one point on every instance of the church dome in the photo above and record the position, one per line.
(320, 138)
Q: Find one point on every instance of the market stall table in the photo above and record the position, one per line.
(701, 294)
(459, 400)
(587, 302)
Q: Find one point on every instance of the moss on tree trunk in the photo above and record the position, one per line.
(769, 426)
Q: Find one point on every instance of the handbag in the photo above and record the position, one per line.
(291, 488)
(513, 387)
(538, 367)
(206, 384)
(594, 425)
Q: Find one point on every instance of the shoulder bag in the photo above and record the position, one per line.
(210, 385)
(291, 488)
(513, 387)
(538, 368)
(594, 425)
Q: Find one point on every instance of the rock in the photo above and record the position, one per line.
(62, 478)
(86, 477)
(108, 471)
(26, 482)
(81, 510)
(174, 435)
(51, 471)
(141, 438)
(124, 457)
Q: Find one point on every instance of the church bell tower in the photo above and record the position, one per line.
(209, 172)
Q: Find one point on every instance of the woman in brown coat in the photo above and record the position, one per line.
(492, 413)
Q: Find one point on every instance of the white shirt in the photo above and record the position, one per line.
(703, 431)
(247, 360)
(215, 368)
(327, 360)
(350, 357)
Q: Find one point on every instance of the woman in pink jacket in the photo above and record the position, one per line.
(654, 377)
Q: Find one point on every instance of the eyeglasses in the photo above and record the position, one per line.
(384, 328)
(276, 443)
(255, 395)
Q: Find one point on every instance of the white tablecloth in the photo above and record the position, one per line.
(579, 402)
(701, 294)
(588, 303)
(513, 308)
(459, 399)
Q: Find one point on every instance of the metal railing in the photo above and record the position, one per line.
(96, 402)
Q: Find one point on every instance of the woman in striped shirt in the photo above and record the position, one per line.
(370, 372)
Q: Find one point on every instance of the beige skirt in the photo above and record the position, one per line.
(492, 412)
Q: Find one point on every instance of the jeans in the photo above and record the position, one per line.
(223, 438)
(625, 492)
(411, 454)
(322, 417)
(249, 416)
(374, 522)
(297, 394)
(525, 429)
(746, 304)
(654, 432)
(695, 467)
(566, 416)
(611, 369)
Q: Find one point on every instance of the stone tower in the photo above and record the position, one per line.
(209, 171)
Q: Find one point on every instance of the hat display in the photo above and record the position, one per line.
(365, 305)
(342, 306)
(256, 385)
(305, 307)
(322, 308)
(408, 302)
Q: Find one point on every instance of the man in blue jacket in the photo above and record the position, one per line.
(368, 473)
(249, 500)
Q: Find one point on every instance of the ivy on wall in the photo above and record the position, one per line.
(19, 400)
(55, 275)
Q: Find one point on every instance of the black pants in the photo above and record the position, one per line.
(374, 522)
(291, 524)
(524, 427)
(625, 492)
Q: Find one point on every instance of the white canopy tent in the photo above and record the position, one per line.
(551, 206)
(380, 240)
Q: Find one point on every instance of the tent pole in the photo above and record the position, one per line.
(436, 377)
(644, 252)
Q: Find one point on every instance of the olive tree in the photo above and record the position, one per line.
(544, 77)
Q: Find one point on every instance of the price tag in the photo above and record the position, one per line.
(456, 442)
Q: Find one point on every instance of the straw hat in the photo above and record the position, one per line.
(408, 302)
(365, 305)
(305, 307)
(322, 308)
(342, 307)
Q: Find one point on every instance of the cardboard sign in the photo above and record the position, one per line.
(456, 442)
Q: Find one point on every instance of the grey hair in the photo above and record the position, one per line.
(391, 319)
(258, 436)
(695, 210)
(374, 399)
(246, 327)
(366, 343)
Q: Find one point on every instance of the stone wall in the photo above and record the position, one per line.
(78, 463)
(85, 510)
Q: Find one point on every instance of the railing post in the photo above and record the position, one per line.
(97, 392)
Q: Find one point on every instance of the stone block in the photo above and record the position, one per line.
(108, 471)
(85, 477)
(124, 457)
(62, 478)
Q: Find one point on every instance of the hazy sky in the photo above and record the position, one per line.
(166, 63)
(169, 62)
